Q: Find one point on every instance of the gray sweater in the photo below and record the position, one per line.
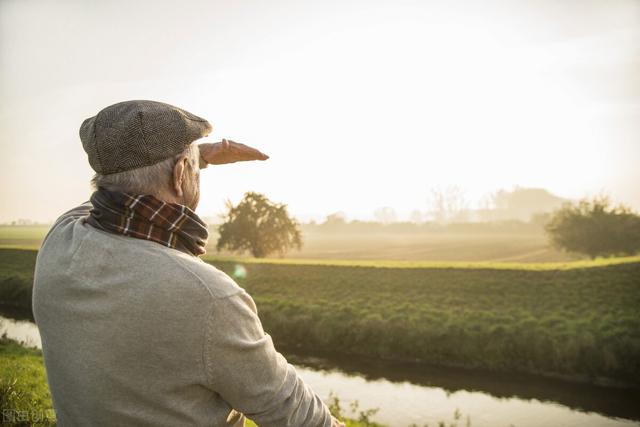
(138, 334)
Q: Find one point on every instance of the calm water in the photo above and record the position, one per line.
(408, 394)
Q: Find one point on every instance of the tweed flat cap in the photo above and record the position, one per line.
(133, 134)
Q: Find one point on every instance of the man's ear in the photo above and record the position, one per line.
(178, 174)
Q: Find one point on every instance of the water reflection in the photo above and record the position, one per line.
(22, 330)
(608, 401)
(402, 404)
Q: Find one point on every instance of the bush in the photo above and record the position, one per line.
(595, 228)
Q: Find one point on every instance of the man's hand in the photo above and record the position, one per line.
(227, 151)
(336, 422)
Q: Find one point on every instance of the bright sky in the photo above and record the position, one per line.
(360, 104)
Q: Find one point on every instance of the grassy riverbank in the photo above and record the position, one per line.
(24, 394)
(576, 320)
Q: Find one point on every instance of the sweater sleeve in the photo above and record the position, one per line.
(244, 368)
(202, 163)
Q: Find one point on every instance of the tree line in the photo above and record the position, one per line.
(591, 227)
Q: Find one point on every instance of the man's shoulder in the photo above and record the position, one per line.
(69, 216)
(160, 263)
(88, 251)
(218, 283)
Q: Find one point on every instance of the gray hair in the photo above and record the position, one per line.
(151, 179)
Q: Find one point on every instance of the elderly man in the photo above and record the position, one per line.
(136, 329)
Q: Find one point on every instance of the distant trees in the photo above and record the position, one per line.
(385, 215)
(520, 203)
(259, 226)
(448, 205)
(339, 218)
(595, 228)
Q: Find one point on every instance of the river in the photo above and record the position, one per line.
(406, 394)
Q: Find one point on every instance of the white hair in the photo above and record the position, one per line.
(151, 179)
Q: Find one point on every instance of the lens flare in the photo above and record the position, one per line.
(239, 272)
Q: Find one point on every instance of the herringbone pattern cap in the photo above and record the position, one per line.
(133, 134)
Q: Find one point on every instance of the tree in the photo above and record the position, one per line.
(448, 205)
(259, 226)
(595, 228)
(336, 218)
(335, 222)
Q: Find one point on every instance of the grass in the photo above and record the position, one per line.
(23, 232)
(16, 277)
(26, 237)
(578, 320)
(384, 263)
(24, 394)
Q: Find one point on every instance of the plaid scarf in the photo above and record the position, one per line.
(145, 217)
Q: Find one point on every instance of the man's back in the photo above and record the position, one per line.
(136, 333)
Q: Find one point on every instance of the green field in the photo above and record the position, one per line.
(16, 277)
(578, 320)
(27, 237)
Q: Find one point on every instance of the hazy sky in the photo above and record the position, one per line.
(360, 104)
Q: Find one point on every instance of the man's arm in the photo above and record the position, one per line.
(243, 366)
